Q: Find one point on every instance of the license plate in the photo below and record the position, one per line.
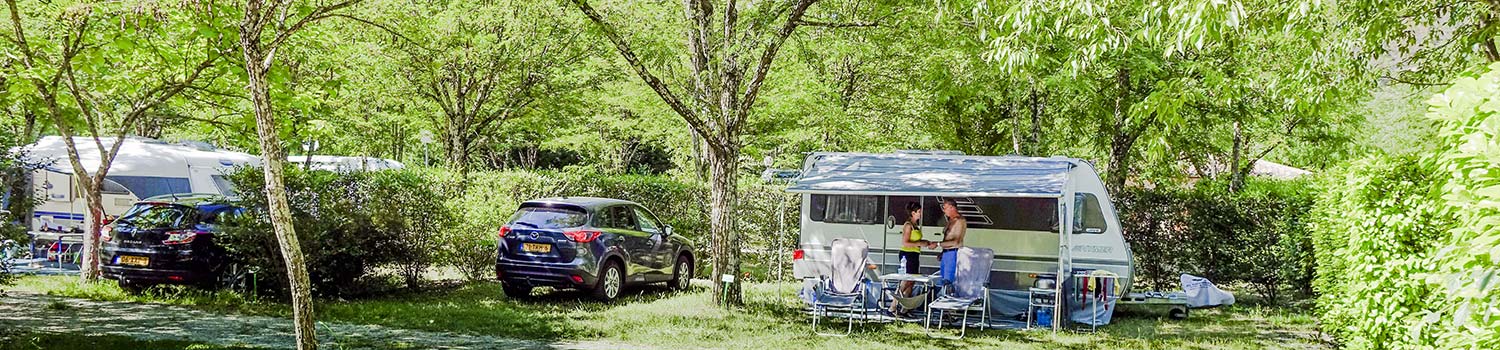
(134, 260)
(536, 247)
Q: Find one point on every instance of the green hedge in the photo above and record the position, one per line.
(1255, 236)
(1408, 249)
(354, 226)
(350, 226)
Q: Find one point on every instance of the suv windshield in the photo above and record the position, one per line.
(153, 216)
(548, 218)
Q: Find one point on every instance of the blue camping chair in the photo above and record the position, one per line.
(844, 289)
(968, 291)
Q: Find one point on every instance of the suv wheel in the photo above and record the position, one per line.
(682, 275)
(235, 278)
(516, 291)
(611, 281)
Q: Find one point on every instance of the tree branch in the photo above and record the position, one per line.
(837, 25)
(752, 91)
(692, 118)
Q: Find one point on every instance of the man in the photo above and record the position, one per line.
(953, 238)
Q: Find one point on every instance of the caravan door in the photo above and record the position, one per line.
(895, 222)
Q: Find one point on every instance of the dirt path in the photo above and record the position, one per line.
(164, 322)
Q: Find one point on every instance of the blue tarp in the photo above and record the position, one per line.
(929, 174)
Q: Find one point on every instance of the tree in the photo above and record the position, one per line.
(722, 92)
(483, 64)
(1206, 83)
(96, 74)
(1423, 42)
(267, 27)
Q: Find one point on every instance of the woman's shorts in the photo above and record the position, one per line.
(911, 260)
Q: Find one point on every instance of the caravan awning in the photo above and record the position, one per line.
(933, 174)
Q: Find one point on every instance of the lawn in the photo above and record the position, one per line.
(654, 317)
(16, 339)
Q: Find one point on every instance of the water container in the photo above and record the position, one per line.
(1044, 317)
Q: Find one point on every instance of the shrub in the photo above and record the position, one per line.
(1408, 249)
(349, 224)
(1254, 236)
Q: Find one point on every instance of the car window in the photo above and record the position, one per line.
(156, 216)
(625, 218)
(647, 222)
(548, 218)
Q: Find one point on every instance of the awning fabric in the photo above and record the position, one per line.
(932, 174)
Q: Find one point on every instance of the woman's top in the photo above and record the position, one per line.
(914, 237)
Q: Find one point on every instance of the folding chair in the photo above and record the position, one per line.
(844, 288)
(969, 289)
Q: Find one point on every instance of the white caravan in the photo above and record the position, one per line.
(143, 168)
(1013, 205)
(345, 164)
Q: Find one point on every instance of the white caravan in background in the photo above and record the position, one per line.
(143, 168)
(1013, 205)
(344, 164)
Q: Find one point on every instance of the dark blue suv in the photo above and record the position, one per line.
(598, 245)
(169, 239)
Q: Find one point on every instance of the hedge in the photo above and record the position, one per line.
(1255, 236)
(1409, 248)
(354, 226)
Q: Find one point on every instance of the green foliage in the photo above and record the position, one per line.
(356, 225)
(350, 225)
(1468, 315)
(1407, 247)
(1256, 236)
(1375, 228)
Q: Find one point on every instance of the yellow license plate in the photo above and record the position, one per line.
(134, 260)
(536, 247)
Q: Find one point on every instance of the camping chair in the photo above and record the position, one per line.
(844, 288)
(969, 289)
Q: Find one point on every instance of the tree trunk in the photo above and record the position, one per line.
(1035, 142)
(1122, 139)
(1015, 133)
(724, 242)
(1236, 157)
(276, 199)
(88, 269)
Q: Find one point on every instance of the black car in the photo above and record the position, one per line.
(167, 240)
(599, 245)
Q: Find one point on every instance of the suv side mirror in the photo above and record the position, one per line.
(666, 231)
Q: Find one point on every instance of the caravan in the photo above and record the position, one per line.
(1013, 206)
(143, 168)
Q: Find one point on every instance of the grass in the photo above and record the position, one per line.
(11, 339)
(655, 317)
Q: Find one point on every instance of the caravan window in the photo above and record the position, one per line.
(112, 187)
(997, 213)
(842, 209)
(1088, 216)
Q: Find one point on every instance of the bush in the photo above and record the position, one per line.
(1408, 249)
(349, 224)
(1254, 236)
(408, 220)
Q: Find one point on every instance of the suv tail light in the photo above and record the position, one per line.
(180, 237)
(583, 236)
(798, 254)
(504, 230)
(106, 233)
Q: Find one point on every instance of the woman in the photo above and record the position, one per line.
(911, 248)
